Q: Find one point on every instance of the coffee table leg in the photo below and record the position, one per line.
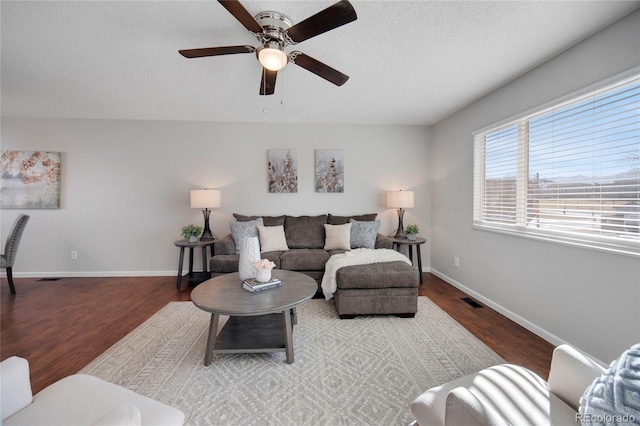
(288, 334)
(211, 341)
(294, 315)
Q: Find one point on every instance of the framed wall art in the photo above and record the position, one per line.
(282, 170)
(329, 170)
(29, 180)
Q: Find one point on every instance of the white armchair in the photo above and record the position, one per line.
(511, 395)
(76, 400)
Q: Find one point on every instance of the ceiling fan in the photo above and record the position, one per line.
(275, 31)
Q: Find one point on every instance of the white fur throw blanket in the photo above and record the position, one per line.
(355, 257)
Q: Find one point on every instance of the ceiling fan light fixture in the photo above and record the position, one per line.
(272, 57)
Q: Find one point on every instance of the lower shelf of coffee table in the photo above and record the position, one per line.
(255, 334)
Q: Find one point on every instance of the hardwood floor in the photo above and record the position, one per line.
(62, 325)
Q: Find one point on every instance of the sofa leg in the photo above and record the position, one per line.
(347, 316)
(406, 315)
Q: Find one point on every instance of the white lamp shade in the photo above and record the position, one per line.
(205, 198)
(400, 199)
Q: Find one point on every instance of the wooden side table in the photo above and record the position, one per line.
(397, 242)
(192, 276)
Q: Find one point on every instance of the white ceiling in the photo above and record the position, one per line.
(410, 62)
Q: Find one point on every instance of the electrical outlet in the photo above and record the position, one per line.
(74, 255)
(456, 262)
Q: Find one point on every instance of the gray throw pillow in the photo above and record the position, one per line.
(268, 220)
(305, 231)
(240, 230)
(363, 234)
(341, 220)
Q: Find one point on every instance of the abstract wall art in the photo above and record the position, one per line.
(329, 170)
(29, 180)
(282, 170)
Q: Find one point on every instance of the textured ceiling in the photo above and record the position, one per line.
(410, 62)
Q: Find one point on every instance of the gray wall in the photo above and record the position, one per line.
(585, 297)
(125, 185)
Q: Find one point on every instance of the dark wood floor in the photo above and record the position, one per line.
(62, 325)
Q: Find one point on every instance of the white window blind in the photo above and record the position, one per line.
(569, 173)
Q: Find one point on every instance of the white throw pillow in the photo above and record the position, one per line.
(337, 237)
(272, 238)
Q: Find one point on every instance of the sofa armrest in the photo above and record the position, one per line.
(224, 245)
(383, 241)
(571, 373)
(463, 408)
(15, 387)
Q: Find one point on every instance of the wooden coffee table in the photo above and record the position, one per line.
(258, 322)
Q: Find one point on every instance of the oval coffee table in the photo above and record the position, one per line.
(258, 322)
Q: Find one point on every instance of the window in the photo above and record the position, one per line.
(568, 173)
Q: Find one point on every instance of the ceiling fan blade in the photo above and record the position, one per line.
(216, 51)
(332, 17)
(318, 68)
(268, 82)
(241, 14)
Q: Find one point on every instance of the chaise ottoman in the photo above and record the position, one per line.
(377, 288)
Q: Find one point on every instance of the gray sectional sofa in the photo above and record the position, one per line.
(305, 244)
(305, 239)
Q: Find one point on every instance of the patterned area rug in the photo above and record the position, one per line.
(364, 371)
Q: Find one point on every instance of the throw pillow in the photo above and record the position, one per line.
(268, 220)
(305, 231)
(338, 237)
(363, 234)
(614, 397)
(272, 238)
(339, 220)
(240, 230)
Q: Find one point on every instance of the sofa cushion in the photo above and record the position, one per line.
(304, 259)
(338, 237)
(228, 263)
(268, 220)
(272, 238)
(363, 234)
(122, 415)
(340, 220)
(241, 230)
(516, 386)
(377, 275)
(305, 231)
(81, 400)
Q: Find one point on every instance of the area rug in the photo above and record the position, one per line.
(364, 371)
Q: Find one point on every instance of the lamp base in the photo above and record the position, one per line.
(400, 232)
(207, 235)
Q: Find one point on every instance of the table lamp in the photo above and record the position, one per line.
(205, 199)
(400, 200)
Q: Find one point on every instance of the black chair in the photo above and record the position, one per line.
(11, 248)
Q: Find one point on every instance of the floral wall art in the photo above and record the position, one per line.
(29, 180)
(282, 170)
(329, 170)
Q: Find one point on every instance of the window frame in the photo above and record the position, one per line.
(520, 229)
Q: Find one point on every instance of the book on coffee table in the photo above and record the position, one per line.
(254, 285)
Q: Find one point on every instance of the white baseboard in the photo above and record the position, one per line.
(538, 331)
(87, 274)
